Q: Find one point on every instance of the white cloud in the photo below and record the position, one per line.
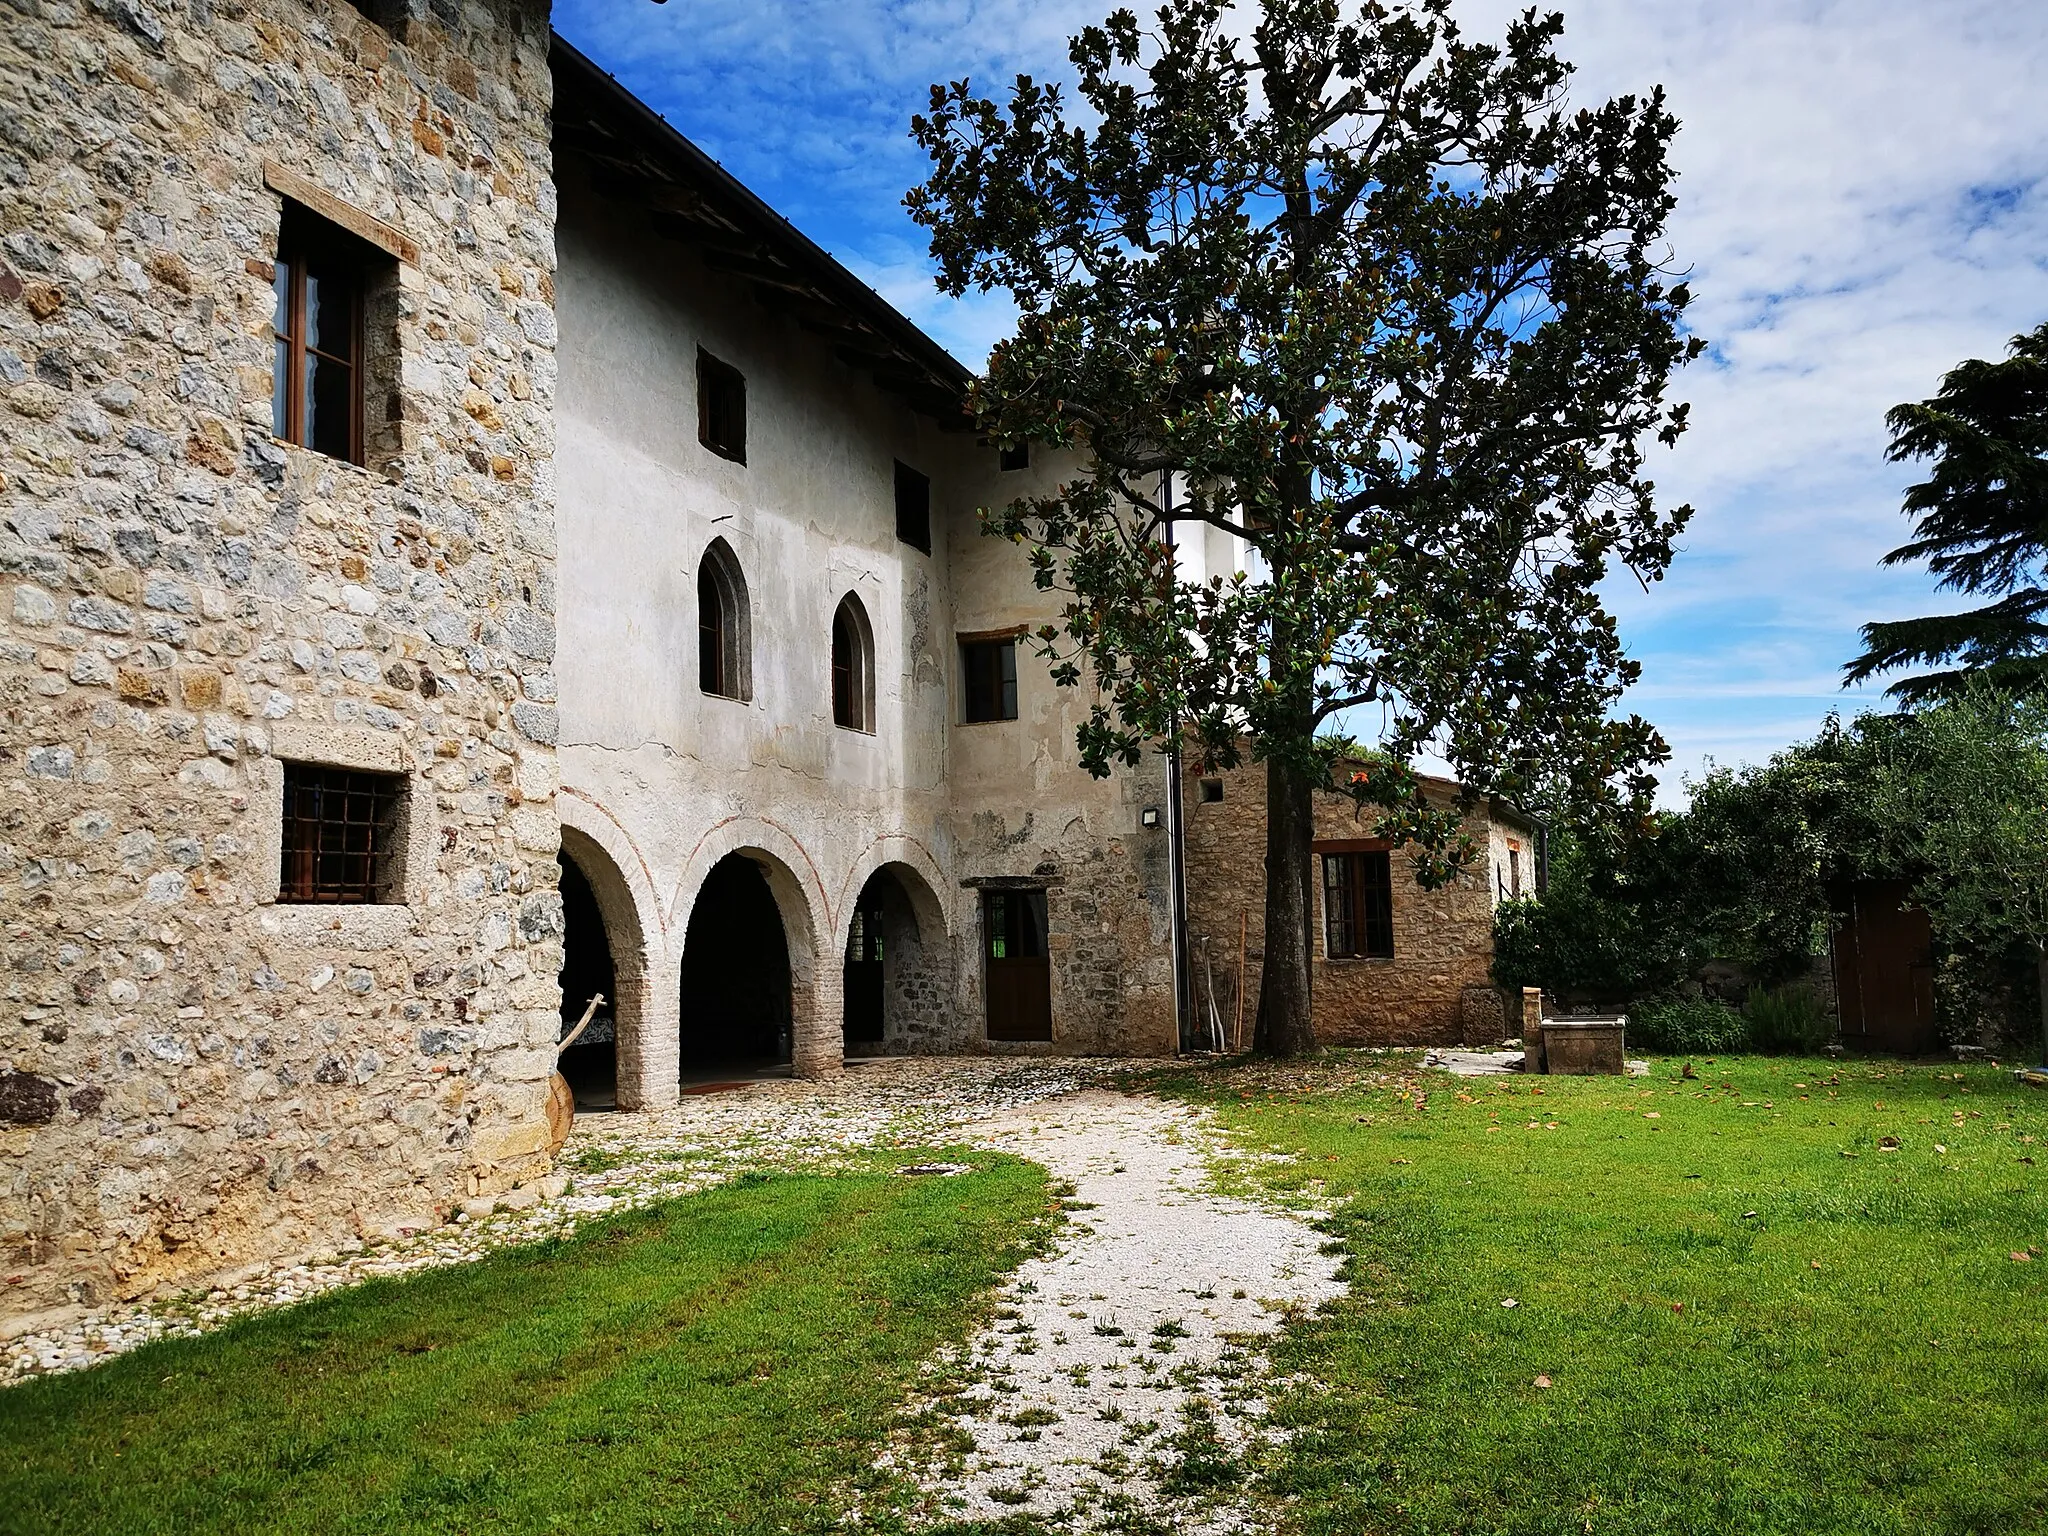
(1862, 204)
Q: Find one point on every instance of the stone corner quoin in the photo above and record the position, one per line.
(190, 1071)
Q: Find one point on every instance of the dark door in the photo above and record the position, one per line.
(1884, 971)
(864, 977)
(1018, 969)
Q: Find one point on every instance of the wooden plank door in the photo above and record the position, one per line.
(1016, 965)
(1884, 971)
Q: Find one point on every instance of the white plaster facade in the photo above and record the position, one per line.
(662, 780)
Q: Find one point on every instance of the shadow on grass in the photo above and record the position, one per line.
(727, 1362)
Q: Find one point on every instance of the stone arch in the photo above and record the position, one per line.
(897, 971)
(634, 927)
(792, 881)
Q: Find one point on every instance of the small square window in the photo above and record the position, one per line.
(1017, 457)
(1212, 791)
(721, 408)
(913, 508)
(989, 670)
(344, 836)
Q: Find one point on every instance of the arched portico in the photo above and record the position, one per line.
(643, 1013)
(897, 971)
(724, 924)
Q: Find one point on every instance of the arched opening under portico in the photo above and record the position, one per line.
(591, 1064)
(893, 986)
(736, 1004)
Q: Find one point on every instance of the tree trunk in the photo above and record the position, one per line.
(2041, 972)
(1285, 1026)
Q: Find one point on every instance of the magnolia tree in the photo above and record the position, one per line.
(1373, 299)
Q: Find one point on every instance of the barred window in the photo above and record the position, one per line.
(343, 830)
(1358, 906)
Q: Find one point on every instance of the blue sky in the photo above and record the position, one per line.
(1864, 201)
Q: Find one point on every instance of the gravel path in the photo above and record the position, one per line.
(1121, 1382)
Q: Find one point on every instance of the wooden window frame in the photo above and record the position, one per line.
(719, 382)
(978, 704)
(1358, 900)
(301, 235)
(342, 842)
(913, 508)
(724, 626)
(853, 680)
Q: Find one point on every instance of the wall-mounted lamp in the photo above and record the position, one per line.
(1149, 817)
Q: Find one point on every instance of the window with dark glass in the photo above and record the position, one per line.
(988, 668)
(913, 508)
(721, 408)
(343, 835)
(722, 625)
(321, 277)
(1017, 456)
(1358, 906)
(853, 668)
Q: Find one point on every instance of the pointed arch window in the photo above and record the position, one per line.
(724, 629)
(853, 667)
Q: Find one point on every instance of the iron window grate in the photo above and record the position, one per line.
(341, 835)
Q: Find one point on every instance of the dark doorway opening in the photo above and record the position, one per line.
(1017, 965)
(736, 1001)
(866, 947)
(591, 1064)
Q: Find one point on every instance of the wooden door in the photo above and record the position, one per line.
(1884, 971)
(863, 982)
(1016, 965)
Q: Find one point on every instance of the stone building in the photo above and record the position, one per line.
(277, 368)
(464, 553)
(288, 447)
(1394, 964)
(803, 749)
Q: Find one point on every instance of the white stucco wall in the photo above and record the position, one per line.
(677, 779)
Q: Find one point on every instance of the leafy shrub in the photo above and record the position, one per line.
(1688, 1026)
(1787, 1019)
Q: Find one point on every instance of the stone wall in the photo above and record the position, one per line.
(1436, 990)
(191, 1074)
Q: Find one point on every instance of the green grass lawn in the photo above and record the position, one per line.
(722, 1363)
(1750, 1313)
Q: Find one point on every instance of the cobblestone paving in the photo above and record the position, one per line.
(612, 1163)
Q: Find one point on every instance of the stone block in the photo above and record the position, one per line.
(1583, 1047)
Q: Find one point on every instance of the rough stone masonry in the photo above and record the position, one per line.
(191, 1070)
